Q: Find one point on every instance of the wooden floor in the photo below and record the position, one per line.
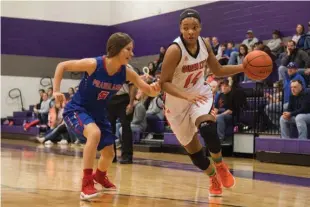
(33, 175)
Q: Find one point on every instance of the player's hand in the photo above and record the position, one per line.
(155, 89)
(129, 109)
(196, 98)
(59, 98)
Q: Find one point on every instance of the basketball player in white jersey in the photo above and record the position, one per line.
(189, 101)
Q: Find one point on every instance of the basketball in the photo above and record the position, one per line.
(257, 65)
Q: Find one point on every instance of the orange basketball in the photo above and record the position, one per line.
(257, 65)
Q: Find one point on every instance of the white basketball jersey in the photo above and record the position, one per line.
(189, 74)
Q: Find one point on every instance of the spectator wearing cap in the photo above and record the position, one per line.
(293, 54)
(275, 44)
(292, 75)
(223, 109)
(298, 111)
(249, 42)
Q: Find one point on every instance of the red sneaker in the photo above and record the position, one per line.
(88, 189)
(215, 189)
(227, 178)
(103, 183)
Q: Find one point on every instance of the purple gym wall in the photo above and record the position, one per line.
(227, 20)
(52, 39)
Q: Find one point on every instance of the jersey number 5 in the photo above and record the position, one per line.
(192, 80)
(102, 95)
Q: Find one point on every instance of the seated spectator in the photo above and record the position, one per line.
(250, 41)
(275, 44)
(230, 48)
(223, 60)
(298, 111)
(154, 114)
(44, 108)
(299, 37)
(216, 48)
(243, 51)
(37, 106)
(138, 123)
(293, 54)
(162, 52)
(307, 40)
(152, 69)
(258, 45)
(291, 75)
(71, 92)
(224, 109)
(50, 93)
(274, 107)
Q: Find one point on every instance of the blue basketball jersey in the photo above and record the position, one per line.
(95, 91)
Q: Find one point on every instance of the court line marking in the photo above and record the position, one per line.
(246, 174)
(28, 190)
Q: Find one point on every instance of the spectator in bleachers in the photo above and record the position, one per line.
(307, 41)
(222, 58)
(44, 109)
(274, 106)
(243, 51)
(250, 41)
(138, 123)
(152, 69)
(154, 113)
(299, 37)
(71, 92)
(258, 45)
(37, 106)
(230, 48)
(275, 44)
(50, 93)
(298, 111)
(292, 74)
(216, 48)
(293, 54)
(224, 109)
(162, 52)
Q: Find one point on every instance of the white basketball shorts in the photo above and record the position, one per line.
(182, 114)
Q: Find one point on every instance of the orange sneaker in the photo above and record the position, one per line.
(227, 178)
(215, 189)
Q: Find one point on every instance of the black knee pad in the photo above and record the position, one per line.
(208, 131)
(200, 160)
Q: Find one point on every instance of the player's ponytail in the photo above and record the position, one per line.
(116, 43)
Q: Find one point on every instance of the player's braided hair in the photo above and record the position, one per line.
(116, 43)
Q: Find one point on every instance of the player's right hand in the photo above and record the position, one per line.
(196, 99)
(59, 98)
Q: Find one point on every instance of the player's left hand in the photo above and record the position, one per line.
(155, 89)
(129, 109)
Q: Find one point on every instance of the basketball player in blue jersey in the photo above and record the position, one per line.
(86, 114)
(182, 78)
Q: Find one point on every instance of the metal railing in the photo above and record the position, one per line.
(16, 96)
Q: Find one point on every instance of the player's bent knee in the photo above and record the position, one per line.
(208, 131)
(92, 133)
(204, 118)
(199, 160)
(108, 152)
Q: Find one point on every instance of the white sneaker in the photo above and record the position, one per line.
(63, 142)
(49, 142)
(149, 136)
(40, 139)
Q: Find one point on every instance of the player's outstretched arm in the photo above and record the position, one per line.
(217, 68)
(150, 90)
(84, 65)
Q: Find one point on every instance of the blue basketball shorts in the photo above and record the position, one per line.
(76, 121)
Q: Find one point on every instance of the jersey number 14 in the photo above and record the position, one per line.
(191, 79)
